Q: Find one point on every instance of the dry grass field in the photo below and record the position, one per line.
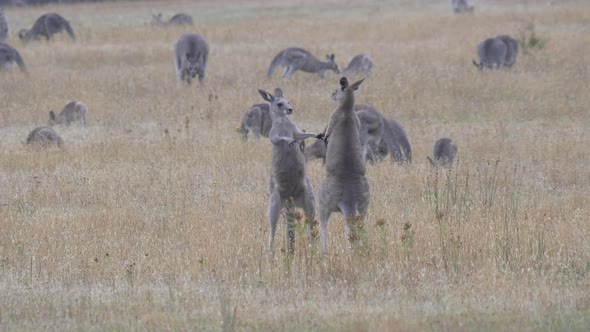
(153, 217)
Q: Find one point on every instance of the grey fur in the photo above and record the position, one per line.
(444, 153)
(257, 120)
(461, 6)
(191, 53)
(73, 111)
(9, 56)
(46, 26)
(511, 50)
(4, 31)
(394, 138)
(396, 142)
(178, 19)
(293, 59)
(492, 53)
(359, 65)
(345, 188)
(289, 186)
(44, 137)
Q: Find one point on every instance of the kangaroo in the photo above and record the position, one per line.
(46, 26)
(44, 137)
(178, 19)
(9, 56)
(289, 186)
(359, 65)
(492, 53)
(293, 59)
(345, 189)
(257, 120)
(4, 32)
(461, 6)
(73, 111)
(444, 153)
(511, 50)
(191, 52)
(393, 136)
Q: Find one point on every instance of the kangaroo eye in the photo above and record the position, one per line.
(280, 104)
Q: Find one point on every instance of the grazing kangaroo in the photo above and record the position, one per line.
(257, 120)
(191, 53)
(293, 59)
(46, 26)
(492, 53)
(444, 153)
(178, 19)
(461, 6)
(44, 137)
(359, 65)
(289, 186)
(73, 111)
(9, 56)
(511, 50)
(3, 26)
(345, 189)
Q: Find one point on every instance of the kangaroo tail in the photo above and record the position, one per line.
(275, 62)
(69, 30)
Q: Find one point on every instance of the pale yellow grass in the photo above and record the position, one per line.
(154, 216)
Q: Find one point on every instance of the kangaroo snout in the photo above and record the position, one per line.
(289, 110)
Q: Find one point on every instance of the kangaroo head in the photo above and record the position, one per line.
(333, 66)
(339, 93)
(23, 34)
(478, 65)
(278, 104)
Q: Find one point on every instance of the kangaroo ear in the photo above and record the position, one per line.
(330, 57)
(278, 93)
(343, 83)
(51, 116)
(266, 96)
(356, 85)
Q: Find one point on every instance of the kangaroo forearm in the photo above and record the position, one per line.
(299, 135)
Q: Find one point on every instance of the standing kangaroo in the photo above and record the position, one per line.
(178, 19)
(293, 59)
(359, 65)
(345, 189)
(73, 111)
(492, 54)
(9, 56)
(444, 153)
(257, 120)
(46, 26)
(191, 53)
(289, 187)
(3, 26)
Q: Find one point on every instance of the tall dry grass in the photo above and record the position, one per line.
(154, 216)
